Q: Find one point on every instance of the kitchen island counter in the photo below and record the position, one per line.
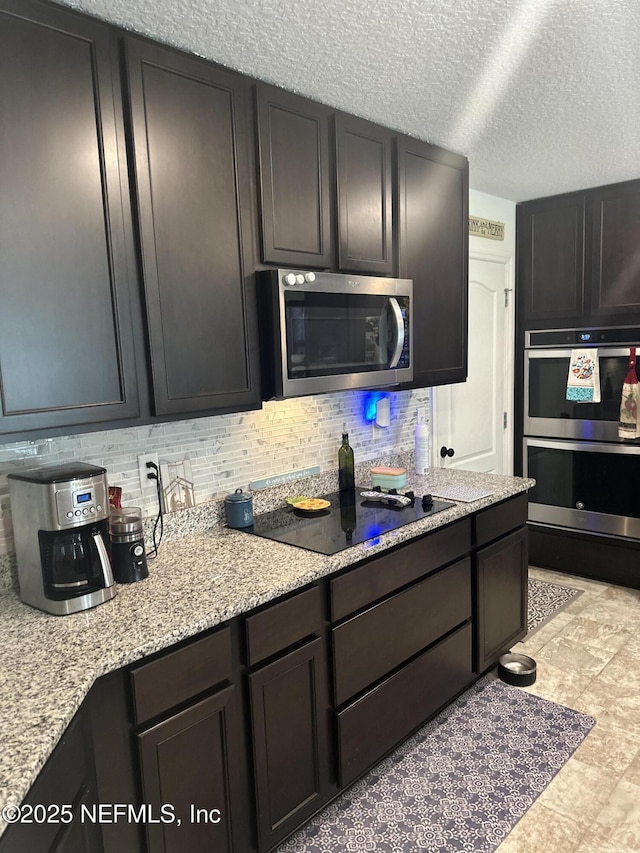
(49, 663)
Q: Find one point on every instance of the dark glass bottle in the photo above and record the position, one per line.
(346, 478)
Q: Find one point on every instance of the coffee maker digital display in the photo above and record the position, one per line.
(61, 526)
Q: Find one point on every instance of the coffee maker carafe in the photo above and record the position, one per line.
(61, 526)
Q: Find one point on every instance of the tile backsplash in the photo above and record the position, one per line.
(219, 454)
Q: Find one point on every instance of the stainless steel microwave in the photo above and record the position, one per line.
(332, 332)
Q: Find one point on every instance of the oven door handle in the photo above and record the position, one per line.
(399, 327)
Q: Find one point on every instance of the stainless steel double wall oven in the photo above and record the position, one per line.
(586, 477)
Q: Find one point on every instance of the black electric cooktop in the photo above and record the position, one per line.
(349, 521)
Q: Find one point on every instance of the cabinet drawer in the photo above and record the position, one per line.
(385, 574)
(169, 680)
(370, 645)
(373, 725)
(283, 624)
(500, 519)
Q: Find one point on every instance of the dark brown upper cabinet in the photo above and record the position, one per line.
(364, 191)
(294, 163)
(615, 249)
(551, 260)
(191, 142)
(433, 213)
(66, 338)
(579, 258)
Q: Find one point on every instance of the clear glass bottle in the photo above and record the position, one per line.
(346, 477)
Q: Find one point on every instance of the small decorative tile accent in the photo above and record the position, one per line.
(177, 485)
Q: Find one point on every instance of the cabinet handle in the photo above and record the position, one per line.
(446, 451)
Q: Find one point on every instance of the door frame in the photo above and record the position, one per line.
(508, 365)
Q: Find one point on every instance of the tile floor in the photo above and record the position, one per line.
(588, 658)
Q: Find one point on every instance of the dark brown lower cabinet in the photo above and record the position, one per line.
(191, 772)
(502, 600)
(384, 717)
(372, 644)
(290, 720)
(59, 813)
(409, 630)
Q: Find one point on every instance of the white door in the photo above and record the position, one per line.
(474, 418)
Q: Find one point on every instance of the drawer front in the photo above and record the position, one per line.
(383, 575)
(373, 725)
(370, 645)
(284, 624)
(169, 680)
(500, 519)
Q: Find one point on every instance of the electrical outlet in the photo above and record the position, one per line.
(145, 483)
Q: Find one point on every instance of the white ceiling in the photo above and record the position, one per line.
(542, 96)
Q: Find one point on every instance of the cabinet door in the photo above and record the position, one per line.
(290, 716)
(551, 260)
(293, 136)
(66, 340)
(190, 141)
(190, 762)
(67, 779)
(615, 253)
(434, 246)
(365, 215)
(501, 595)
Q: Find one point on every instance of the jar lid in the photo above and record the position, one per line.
(238, 497)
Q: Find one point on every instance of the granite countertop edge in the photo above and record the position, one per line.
(197, 582)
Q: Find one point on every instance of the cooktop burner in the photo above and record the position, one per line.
(349, 520)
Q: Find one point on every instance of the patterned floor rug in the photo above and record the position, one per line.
(460, 784)
(546, 600)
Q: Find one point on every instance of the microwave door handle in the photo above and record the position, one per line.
(107, 572)
(399, 323)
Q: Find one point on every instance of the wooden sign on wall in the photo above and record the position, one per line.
(479, 227)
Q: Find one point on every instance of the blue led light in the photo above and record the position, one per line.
(370, 403)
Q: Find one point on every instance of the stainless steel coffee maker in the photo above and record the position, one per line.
(61, 526)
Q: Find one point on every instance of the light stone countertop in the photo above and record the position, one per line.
(49, 663)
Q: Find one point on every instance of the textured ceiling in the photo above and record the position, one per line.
(542, 96)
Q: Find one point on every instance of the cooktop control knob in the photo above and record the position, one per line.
(309, 277)
(427, 501)
(289, 278)
(299, 279)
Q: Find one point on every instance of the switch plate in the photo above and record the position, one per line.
(146, 484)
